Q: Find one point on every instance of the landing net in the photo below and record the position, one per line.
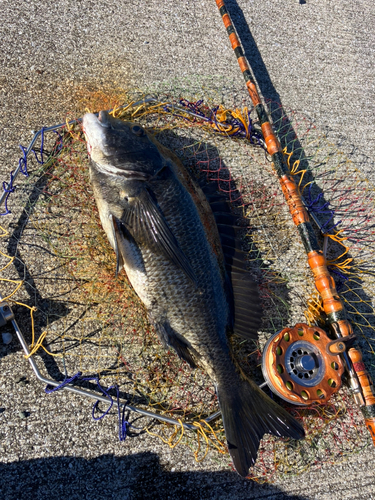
(80, 320)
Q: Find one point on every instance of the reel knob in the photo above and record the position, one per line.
(299, 368)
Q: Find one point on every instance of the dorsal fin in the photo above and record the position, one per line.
(224, 218)
(229, 230)
(234, 262)
(215, 198)
(247, 305)
(220, 206)
(230, 241)
(209, 188)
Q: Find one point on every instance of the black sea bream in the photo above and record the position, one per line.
(163, 230)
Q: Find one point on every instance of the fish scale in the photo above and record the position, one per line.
(199, 311)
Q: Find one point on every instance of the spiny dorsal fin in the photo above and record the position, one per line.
(229, 230)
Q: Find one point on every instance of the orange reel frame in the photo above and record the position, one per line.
(299, 367)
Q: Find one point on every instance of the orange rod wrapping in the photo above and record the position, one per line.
(253, 92)
(293, 198)
(226, 20)
(254, 96)
(273, 145)
(234, 41)
(345, 327)
(325, 285)
(243, 64)
(363, 376)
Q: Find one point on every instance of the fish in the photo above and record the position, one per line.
(180, 250)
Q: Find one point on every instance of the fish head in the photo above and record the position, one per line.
(120, 148)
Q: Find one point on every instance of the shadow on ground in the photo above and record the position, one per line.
(133, 477)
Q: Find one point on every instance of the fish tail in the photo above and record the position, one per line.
(248, 413)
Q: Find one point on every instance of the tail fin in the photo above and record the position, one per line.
(248, 413)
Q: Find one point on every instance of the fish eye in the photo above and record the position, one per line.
(137, 130)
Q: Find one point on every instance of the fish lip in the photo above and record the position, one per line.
(103, 118)
(87, 120)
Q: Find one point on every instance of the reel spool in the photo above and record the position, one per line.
(299, 367)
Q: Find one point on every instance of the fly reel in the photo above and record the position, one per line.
(299, 366)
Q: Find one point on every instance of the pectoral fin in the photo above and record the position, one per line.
(146, 224)
(116, 236)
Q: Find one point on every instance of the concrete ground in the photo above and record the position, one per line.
(314, 56)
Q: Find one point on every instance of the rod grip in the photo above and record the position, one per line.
(364, 378)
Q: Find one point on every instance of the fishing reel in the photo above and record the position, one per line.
(302, 365)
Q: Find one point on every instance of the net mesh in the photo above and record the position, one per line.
(80, 317)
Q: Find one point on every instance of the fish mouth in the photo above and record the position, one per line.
(93, 121)
(103, 157)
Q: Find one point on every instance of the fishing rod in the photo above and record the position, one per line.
(297, 362)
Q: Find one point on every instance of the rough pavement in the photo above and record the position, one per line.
(317, 57)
